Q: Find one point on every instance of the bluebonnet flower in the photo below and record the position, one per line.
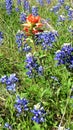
(61, 18)
(26, 48)
(56, 8)
(21, 104)
(7, 125)
(61, 1)
(9, 4)
(40, 2)
(11, 79)
(17, 9)
(18, 2)
(70, 14)
(38, 114)
(65, 56)
(10, 82)
(20, 39)
(32, 66)
(54, 78)
(34, 10)
(23, 17)
(48, 1)
(67, 7)
(70, 29)
(26, 5)
(3, 79)
(11, 87)
(1, 38)
(46, 39)
(72, 88)
(71, 96)
(40, 70)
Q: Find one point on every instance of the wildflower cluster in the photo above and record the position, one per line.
(38, 114)
(46, 39)
(32, 66)
(33, 33)
(35, 42)
(65, 56)
(10, 82)
(21, 105)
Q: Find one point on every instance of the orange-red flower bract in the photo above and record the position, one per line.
(34, 31)
(38, 25)
(26, 29)
(33, 25)
(33, 19)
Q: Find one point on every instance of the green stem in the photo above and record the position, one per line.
(65, 107)
(2, 98)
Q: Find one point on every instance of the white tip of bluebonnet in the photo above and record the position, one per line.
(29, 54)
(37, 106)
(66, 44)
(58, 51)
(61, 128)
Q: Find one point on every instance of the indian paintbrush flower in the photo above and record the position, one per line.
(33, 25)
